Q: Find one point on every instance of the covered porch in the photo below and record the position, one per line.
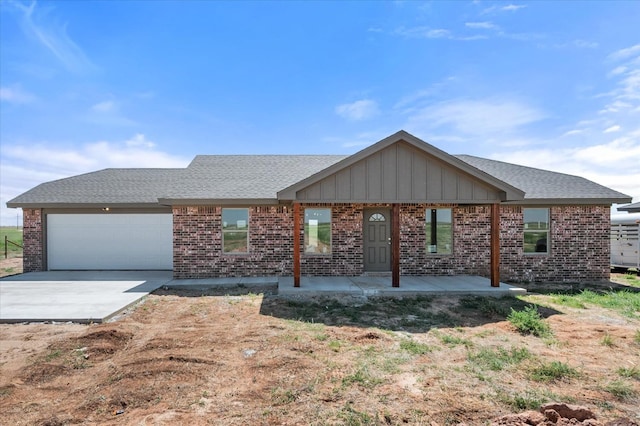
(380, 285)
(399, 206)
(383, 286)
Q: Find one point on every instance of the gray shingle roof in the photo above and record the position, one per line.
(208, 177)
(103, 188)
(237, 178)
(232, 177)
(631, 208)
(543, 185)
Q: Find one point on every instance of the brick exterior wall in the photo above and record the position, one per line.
(579, 248)
(471, 242)
(346, 243)
(579, 244)
(197, 243)
(32, 240)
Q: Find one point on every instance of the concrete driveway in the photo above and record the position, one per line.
(78, 296)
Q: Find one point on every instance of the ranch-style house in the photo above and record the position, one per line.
(399, 207)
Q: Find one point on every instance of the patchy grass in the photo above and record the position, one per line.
(607, 340)
(626, 303)
(452, 340)
(630, 278)
(498, 358)
(530, 399)
(251, 359)
(363, 377)
(415, 348)
(621, 389)
(629, 372)
(554, 370)
(14, 235)
(529, 321)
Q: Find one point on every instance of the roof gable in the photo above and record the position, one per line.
(401, 168)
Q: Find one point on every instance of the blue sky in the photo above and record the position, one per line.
(90, 85)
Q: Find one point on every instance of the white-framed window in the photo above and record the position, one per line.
(317, 231)
(235, 230)
(536, 230)
(439, 231)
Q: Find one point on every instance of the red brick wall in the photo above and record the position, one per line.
(197, 243)
(471, 242)
(579, 249)
(33, 240)
(346, 243)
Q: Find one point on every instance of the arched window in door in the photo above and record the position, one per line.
(377, 217)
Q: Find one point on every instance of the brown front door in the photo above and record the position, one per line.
(377, 240)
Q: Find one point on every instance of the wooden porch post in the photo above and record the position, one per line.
(495, 245)
(296, 244)
(395, 245)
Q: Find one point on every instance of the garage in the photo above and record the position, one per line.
(109, 241)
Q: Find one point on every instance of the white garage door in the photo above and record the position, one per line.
(110, 241)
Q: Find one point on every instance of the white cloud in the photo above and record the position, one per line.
(614, 154)
(573, 132)
(625, 97)
(24, 166)
(618, 70)
(481, 25)
(625, 53)
(507, 8)
(612, 129)
(358, 110)
(613, 163)
(615, 106)
(513, 7)
(108, 113)
(434, 34)
(15, 95)
(475, 117)
(579, 43)
(37, 24)
(139, 141)
(585, 44)
(423, 32)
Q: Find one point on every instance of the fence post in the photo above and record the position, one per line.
(5, 246)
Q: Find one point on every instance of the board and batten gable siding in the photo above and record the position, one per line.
(399, 173)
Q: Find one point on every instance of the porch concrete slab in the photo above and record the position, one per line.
(382, 286)
(207, 283)
(318, 286)
(78, 296)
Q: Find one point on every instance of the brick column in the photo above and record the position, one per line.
(33, 240)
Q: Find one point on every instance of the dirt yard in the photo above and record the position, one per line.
(250, 359)
(10, 266)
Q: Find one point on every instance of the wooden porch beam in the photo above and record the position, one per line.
(495, 245)
(395, 245)
(296, 244)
